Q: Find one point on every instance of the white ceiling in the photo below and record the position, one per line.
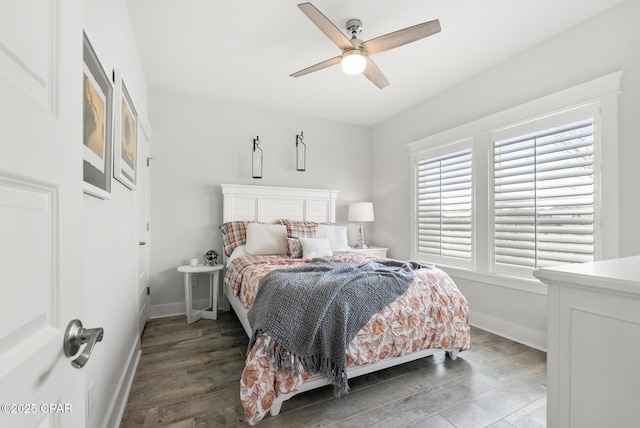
(243, 51)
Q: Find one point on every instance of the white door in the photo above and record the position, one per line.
(40, 211)
(142, 223)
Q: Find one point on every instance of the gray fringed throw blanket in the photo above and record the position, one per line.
(313, 311)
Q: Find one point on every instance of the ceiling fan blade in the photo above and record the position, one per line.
(326, 26)
(373, 73)
(401, 37)
(319, 66)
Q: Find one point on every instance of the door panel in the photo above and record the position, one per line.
(40, 211)
(28, 217)
(27, 61)
(143, 221)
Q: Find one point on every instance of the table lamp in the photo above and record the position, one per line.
(361, 212)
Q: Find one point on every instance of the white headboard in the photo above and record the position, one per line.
(269, 204)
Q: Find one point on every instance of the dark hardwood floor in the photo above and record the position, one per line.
(188, 376)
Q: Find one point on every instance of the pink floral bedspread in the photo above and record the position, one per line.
(432, 313)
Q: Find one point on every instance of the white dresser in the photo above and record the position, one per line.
(593, 344)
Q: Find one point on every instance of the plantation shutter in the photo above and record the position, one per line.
(445, 205)
(544, 203)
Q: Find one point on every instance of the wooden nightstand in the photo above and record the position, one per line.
(372, 251)
(214, 279)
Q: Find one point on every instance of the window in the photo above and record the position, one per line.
(444, 205)
(525, 188)
(544, 193)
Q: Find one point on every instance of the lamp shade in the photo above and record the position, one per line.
(360, 211)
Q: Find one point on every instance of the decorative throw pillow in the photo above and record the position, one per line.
(337, 236)
(295, 248)
(266, 239)
(234, 234)
(239, 251)
(315, 247)
(297, 228)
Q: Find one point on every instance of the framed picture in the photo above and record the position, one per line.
(97, 116)
(125, 140)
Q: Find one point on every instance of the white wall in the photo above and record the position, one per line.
(601, 45)
(200, 143)
(109, 250)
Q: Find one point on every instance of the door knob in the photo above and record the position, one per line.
(75, 336)
(142, 243)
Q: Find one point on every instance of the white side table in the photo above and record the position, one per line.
(210, 313)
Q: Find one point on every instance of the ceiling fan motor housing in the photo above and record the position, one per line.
(354, 27)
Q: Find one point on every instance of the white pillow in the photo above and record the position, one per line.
(337, 236)
(239, 251)
(265, 239)
(315, 247)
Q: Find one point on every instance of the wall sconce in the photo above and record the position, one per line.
(256, 159)
(301, 153)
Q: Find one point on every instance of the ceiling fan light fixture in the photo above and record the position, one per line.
(356, 51)
(353, 62)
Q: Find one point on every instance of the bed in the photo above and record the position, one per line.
(430, 316)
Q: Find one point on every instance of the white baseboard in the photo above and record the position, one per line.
(515, 332)
(119, 400)
(173, 309)
(166, 310)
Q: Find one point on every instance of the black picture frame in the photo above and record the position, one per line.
(97, 125)
(125, 137)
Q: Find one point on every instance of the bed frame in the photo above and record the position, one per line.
(270, 204)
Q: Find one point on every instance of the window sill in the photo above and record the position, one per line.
(522, 284)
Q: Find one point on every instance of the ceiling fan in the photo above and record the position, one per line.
(355, 57)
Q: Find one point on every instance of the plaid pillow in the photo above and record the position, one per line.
(295, 248)
(297, 229)
(234, 234)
